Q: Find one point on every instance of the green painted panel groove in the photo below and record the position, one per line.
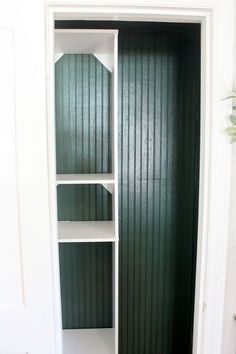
(159, 138)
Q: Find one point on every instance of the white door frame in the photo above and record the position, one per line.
(207, 330)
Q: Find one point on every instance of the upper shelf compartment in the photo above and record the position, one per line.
(100, 43)
(84, 101)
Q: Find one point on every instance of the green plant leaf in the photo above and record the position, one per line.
(232, 117)
(231, 95)
(231, 130)
(233, 140)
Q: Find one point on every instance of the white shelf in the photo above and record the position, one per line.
(86, 231)
(84, 41)
(100, 43)
(88, 341)
(84, 178)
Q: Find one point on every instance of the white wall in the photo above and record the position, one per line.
(229, 335)
(229, 326)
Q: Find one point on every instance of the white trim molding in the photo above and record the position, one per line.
(214, 195)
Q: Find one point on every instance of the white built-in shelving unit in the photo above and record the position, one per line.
(103, 45)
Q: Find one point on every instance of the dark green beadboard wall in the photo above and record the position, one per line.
(86, 285)
(159, 144)
(159, 124)
(83, 140)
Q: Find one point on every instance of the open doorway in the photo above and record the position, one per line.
(159, 130)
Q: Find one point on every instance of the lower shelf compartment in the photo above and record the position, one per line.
(89, 341)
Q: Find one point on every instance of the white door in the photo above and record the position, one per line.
(26, 297)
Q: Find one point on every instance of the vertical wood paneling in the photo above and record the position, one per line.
(83, 203)
(86, 285)
(83, 136)
(159, 121)
(159, 157)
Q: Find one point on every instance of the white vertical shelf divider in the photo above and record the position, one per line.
(116, 195)
(103, 44)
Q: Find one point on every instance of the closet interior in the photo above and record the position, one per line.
(127, 129)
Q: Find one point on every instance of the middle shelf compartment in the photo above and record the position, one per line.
(85, 213)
